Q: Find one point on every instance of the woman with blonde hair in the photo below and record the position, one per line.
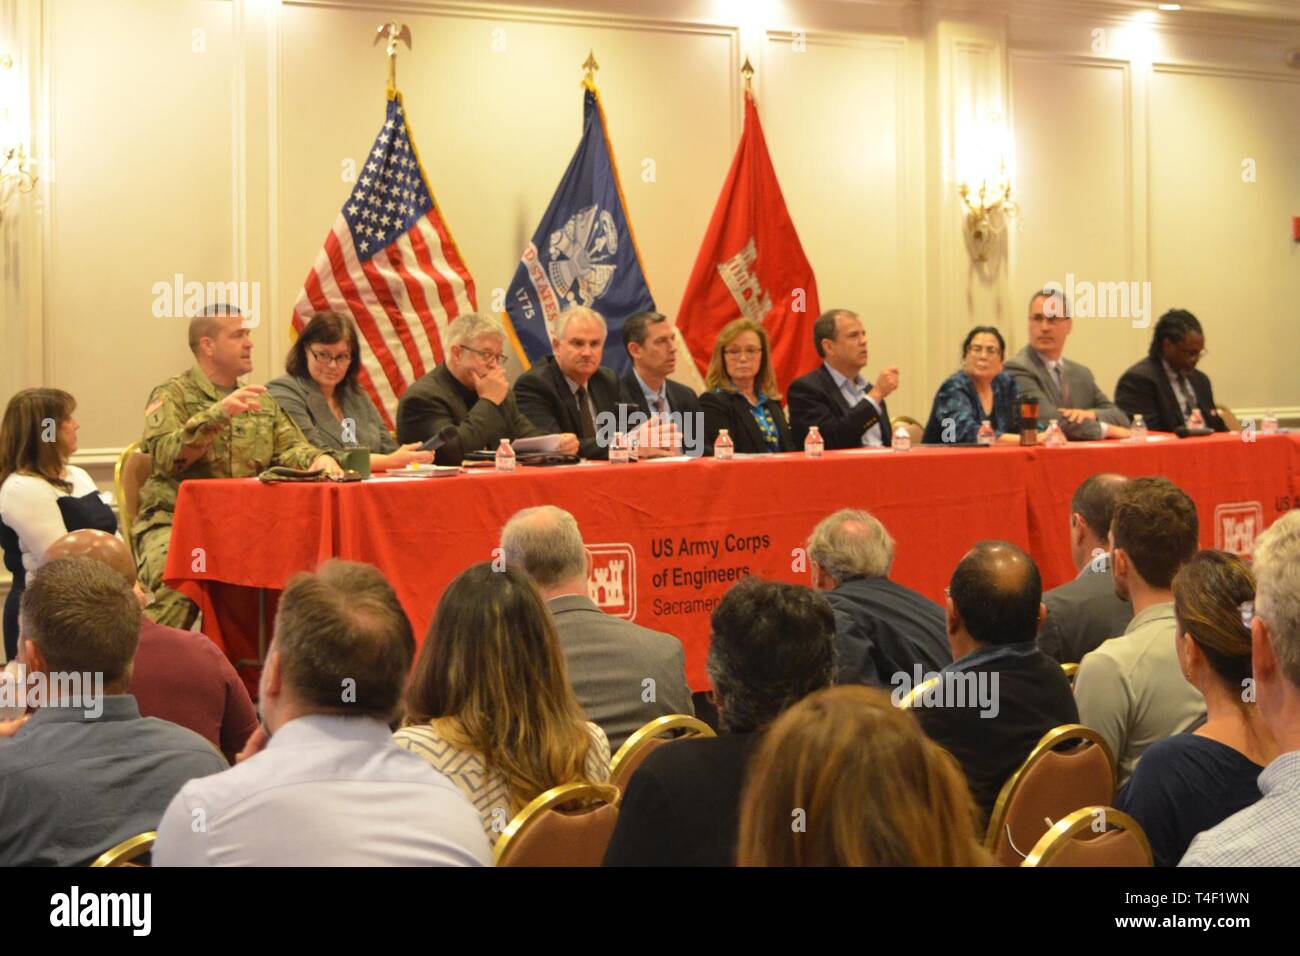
(489, 703)
(1191, 782)
(742, 395)
(843, 778)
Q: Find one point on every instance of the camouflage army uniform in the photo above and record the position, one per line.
(185, 411)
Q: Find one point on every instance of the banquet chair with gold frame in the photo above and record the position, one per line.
(1071, 672)
(648, 737)
(912, 696)
(129, 850)
(129, 474)
(543, 834)
(1076, 841)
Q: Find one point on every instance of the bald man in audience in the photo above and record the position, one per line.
(180, 676)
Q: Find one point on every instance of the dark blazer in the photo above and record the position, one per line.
(544, 397)
(882, 628)
(730, 410)
(1145, 390)
(608, 658)
(682, 806)
(1081, 614)
(1034, 380)
(815, 400)
(682, 401)
(1033, 696)
(436, 400)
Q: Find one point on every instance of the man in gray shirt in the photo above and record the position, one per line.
(1086, 611)
(85, 771)
(623, 675)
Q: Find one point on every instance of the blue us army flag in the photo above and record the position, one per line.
(582, 253)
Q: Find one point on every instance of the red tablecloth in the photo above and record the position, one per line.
(669, 538)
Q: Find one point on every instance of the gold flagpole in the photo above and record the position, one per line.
(393, 32)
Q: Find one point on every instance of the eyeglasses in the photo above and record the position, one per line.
(492, 358)
(1049, 319)
(984, 350)
(742, 353)
(1194, 356)
(327, 360)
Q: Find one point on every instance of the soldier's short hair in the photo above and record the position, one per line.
(205, 324)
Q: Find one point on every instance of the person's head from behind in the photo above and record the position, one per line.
(1275, 628)
(545, 542)
(1178, 339)
(342, 646)
(79, 616)
(1091, 511)
(1213, 636)
(222, 342)
(772, 644)
(995, 597)
(851, 543)
(475, 347)
(579, 342)
(492, 676)
(841, 341)
(327, 351)
(1153, 531)
(38, 434)
(844, 778)
(651, 344)
(107, 549)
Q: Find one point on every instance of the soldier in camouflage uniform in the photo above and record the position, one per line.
(202, 424)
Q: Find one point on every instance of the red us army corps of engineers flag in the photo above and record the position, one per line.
(390, 263)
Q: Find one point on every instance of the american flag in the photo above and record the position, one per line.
(390, 263)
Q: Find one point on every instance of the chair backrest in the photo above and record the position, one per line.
(1054, 781)
(912, 696)
(1092, 836)
(1071, 671)
(128, 850)
(646, 738)
(129, 474)
(542, 834)
(914, 428)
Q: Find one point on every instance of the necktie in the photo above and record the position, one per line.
(584, 415)
(661, 407)
(1184, 395)
(1059, 374)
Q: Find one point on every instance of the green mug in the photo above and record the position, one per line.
(358, 460)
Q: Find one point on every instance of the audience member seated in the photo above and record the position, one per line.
(1267, 833)
(1166, 386)
(1087, 610)
(180, 676)
(569, 390)
(651, 343)
(489, 703)
(1001, 693)
(881, 628)
(41, 495)
(1191, 782)
(772, 644)
(1064, 390)
(1131, 689)
(321, 393)
(623, 675)
(847, 410)
(322, 784)
(844, 778)
(467, 398)
(86, 771)
(979, 391)
(742, 394)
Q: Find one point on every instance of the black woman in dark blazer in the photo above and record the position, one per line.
(741, 393)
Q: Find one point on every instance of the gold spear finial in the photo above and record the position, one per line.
(591, 66)
(747, 71)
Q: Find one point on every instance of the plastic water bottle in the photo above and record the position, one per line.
(1054, 437)
(505, 457)
(986, 435)
(618, 452)
(1195, 420)
(902, 439)
(813, 445)
(723, 446)
(1138, 430)
(1269, 425)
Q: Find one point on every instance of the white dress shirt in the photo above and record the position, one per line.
(652, 398)
(1183, 391)
(854, 391)
(29, 505)
(326, 791)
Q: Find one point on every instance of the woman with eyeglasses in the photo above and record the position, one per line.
(742, 394)
(977, 391)
(321, 394)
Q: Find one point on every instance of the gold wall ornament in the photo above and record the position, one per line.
(590, 66)
(393, 32)
(16, 174)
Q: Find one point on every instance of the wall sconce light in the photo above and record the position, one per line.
(15, 168)
(985, 188)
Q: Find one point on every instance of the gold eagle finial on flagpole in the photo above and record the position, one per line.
(393, 31)
(591, 66)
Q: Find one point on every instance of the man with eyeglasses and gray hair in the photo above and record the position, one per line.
(466, 401)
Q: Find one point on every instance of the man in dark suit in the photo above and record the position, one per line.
(623, 675)
(1065, 390)
(1083, 613)
(1166, 386)
(881, 628)
(651, 343)
(467, 398)
(1001, 694)
(835, 397)
(772, 645)
(569, 390)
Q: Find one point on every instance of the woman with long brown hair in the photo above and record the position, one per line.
(742, 394)
(489, 702)
(1190, 782)
(843, 778)
(42, 497)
